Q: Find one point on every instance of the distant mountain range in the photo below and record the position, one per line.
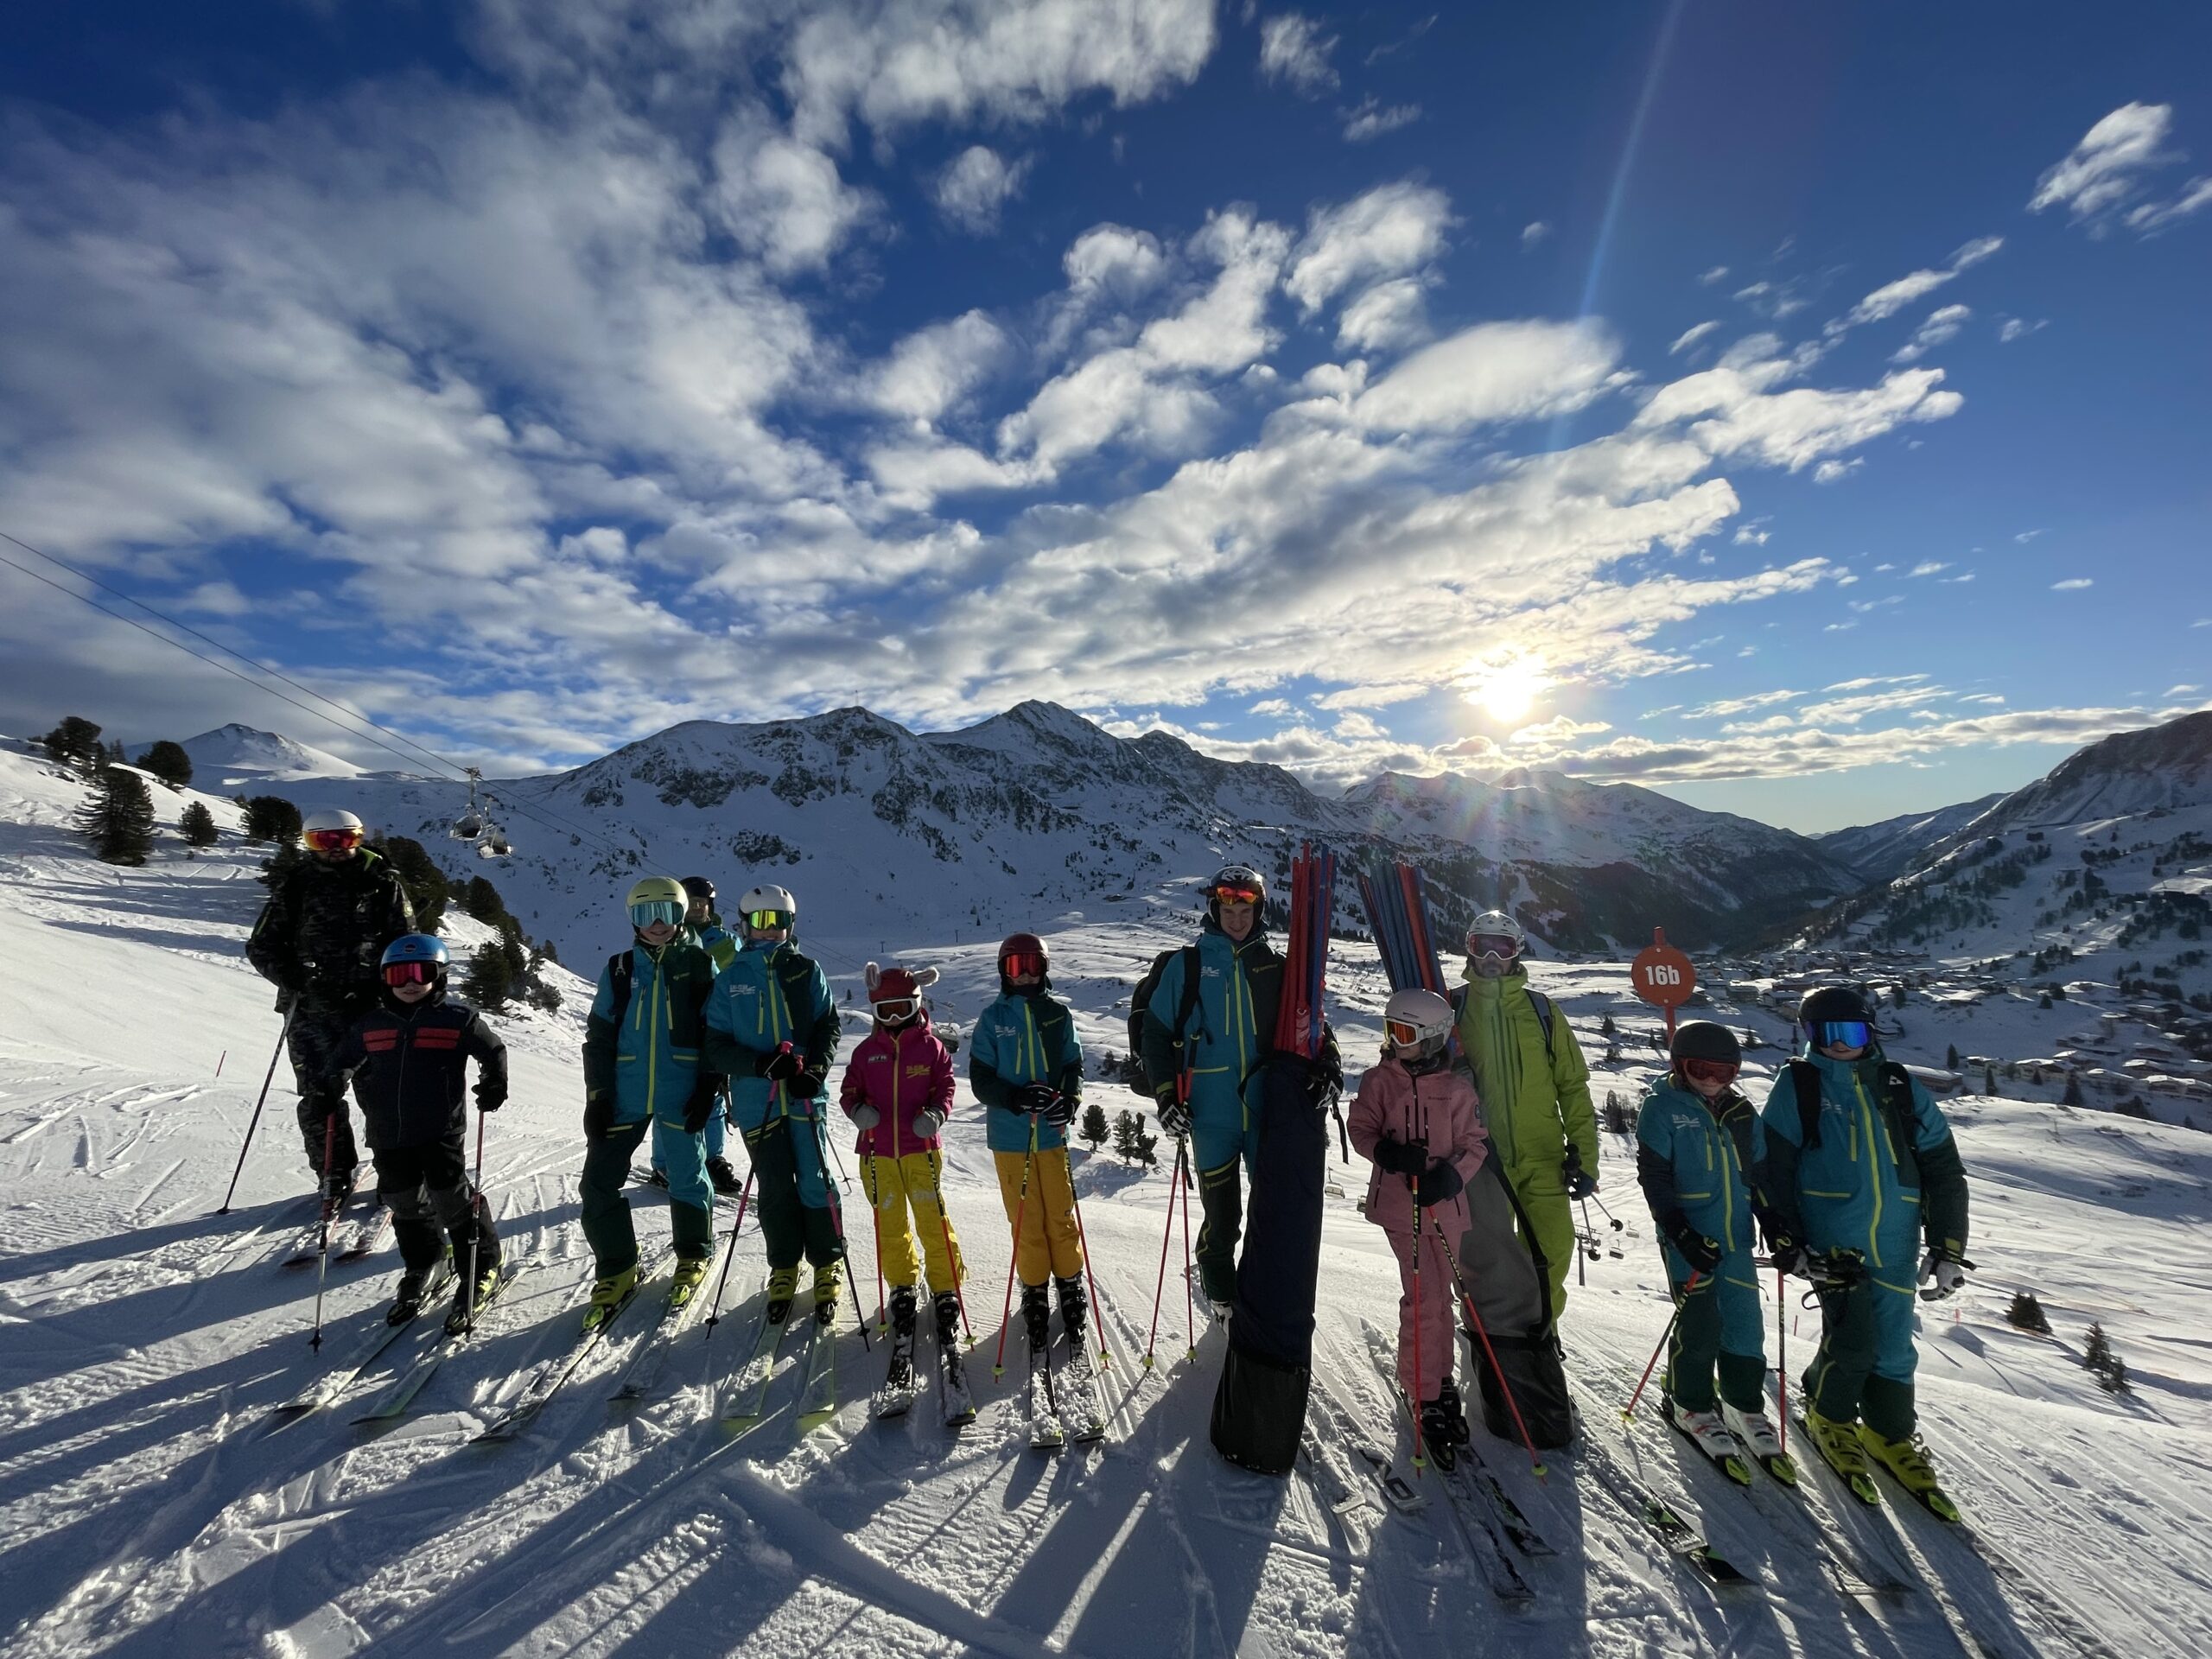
(240, 754)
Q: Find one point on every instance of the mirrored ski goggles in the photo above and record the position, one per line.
(409, 973)
(761, 920)
(1851, 1033)
(1710, 1070)
(1405, 1034)
(897, 1011)
(333, 841)
(1237, 895)
(1493, 944)
(646, 912)
(1022, 964)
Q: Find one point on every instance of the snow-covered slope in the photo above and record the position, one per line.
(1881, 852)
(150, 1507)
(243, 755)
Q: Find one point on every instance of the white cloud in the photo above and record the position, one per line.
(2071, 584)
(1532, 234)
(1690, 337)
(2107, 168)
(1275, 708)
(1494, 372)
(1729, 412)
(1294, 52)
(1717, 274)
(933, 368)
(1834, 471)
(2183, 691)
(975, 186)
(2014, 328)
(2154, 216)
(784, 199)
(1388, 316)
(2027, 536)
(1114, 261)
(1928, 568)
(1388, 231)
(1892, 297)
(1943, 324)
(1373, 119)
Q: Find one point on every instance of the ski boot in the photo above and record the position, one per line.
(1075, 1312)
(1840, 1448)
(1447, 1396)
(608, 1293)
(783, 1286)
(408, 1301)
(690, 1273)
(336, 1188)
(899, 1378)
(1438, 1444)
(720, 1172)
(657, 1177)
(959, 1405)
(1907, 1460)
(468, 1298)
(1754, 1431)
(1045, 1428)
(1710, 1435)
(829, 1280)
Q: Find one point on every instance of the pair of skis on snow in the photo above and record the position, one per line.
(744, 1399)
(350, 1241)
(334, 1381)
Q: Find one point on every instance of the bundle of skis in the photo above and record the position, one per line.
(1306, 951)
(1398, 915)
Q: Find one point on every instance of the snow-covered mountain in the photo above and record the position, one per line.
(236, 755)
(1881, 852)
(1038, 813)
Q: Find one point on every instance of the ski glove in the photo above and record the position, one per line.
(599, 1114)
(487, 1101)
(1941, 1275)
(809, 1085)
(1788, 1256)
(1836, 1270)
(1395, 1157)
(701, 1105)
(1439, 1183)
(865, 1117)
(1174, 1115)
(1061, 1112)
(1702, 1253)
(1034, 1097)
(1580, 1183)
(929, 1123)
(780, 1063)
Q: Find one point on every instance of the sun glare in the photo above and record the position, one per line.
(1508, 690)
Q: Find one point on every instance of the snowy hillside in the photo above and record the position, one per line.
(1881, 852)
(242, 755)
(1038, 814)
(151, 1505)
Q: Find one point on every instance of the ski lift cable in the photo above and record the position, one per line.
(543, 815)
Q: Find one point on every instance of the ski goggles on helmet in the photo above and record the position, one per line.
(761, 920)
(333, 841)
(1021, 962)
(1403, 1033)
(1493, 944)
(1851, 1033)
(1237, 895)
(897, 1010)
(1720, 1072)
(646, 912)
(409, 973)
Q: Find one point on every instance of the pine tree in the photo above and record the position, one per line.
(419, 873)
(482, 900)
(1951, 1057)
(272, 817)
(168, 762)
(1126, 1130)
(1605, 1026)
(197, 825)
(489, 981)
(76, 742)
(1988, 1081)
(2027, 1314)
(118, 817)
(2072, 1094)
(1094, 1130)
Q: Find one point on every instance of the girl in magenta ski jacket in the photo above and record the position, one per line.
(1418, 1120)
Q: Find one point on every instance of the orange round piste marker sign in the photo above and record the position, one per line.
(1663, 975)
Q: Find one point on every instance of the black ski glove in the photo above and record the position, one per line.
(490, 1101)
(599, 1114)
(701, 1106)
(809, 1085)
(1834, 1270)
(1061, 1112)
(1439, 1183)
(1395, 1157)
(1702, 1253)
(1325, 1072)
(1035, 1097)
(1174, 1115)
(1580, 1183)
(780, 1063)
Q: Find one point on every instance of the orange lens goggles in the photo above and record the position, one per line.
(1021, 962)
(1709, 1070)
(1237, 895)
(333, 841)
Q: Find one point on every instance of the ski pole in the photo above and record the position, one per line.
(872, 1184)
(1159, 1284)
(477, 1210)
(1482, 1335)
(322, 1269)
(1606, 1213)
(1098, 1314)
(1420, 1460)
(1781, 1363)
(1629, 1410)
(838, 1220)
(1020, 1209)
(255, 1122)
(1584, 1246)
(1189, 1319)
(729, 1255)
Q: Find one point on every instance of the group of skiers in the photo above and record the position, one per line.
(1476, 1119)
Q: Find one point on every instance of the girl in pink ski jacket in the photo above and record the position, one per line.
(898, 1091)
(1417, 1120)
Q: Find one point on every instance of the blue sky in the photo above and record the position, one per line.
(1800, 412)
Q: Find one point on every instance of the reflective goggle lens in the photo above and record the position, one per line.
(409, 973)
(1709, 1070)
(1020, 963)
(646, 912)
(1494, 944)
(332, 841)
(1403, 1034)
(897, 1009)
(1851, 1033)
(761, 920)
(1237, 895)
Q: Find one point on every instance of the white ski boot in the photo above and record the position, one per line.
(1710, 1435)
(1755, 1432)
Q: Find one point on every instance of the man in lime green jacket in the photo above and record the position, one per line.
(1535, 1086)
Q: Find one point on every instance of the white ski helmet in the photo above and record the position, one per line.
(331, 831)
(767, 900)
(330, 817)
(1417, 1024)
(1495, 942)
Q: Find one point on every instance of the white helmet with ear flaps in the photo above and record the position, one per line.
(1418, 1023)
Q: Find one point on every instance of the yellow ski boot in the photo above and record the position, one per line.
(607, 1295)
(1838, 1446)
(829, 1280)
(1907, 1460)
(782, 1285)
(690, 1273)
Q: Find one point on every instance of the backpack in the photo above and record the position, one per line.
(1894, 1096)
(619, 970)
(1140, 1005)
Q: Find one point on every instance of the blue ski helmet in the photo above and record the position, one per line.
(415, 947)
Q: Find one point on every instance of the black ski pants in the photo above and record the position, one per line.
(432, 1202)
(319, 1025)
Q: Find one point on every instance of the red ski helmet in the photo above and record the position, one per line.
(1023, 953)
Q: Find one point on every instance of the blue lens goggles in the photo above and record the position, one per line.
(1851, 1033)
(647, 912)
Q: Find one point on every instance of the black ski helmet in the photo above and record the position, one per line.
(1701, 1039)
(1238, 878)
(1832, 1002)
(699, 887)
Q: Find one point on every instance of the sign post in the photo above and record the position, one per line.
(1663, 976)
